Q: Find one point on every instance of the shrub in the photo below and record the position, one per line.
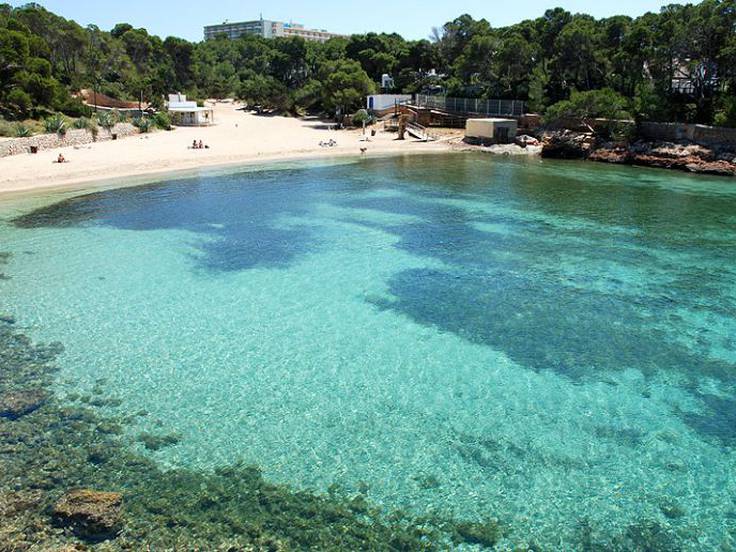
(649, 104)
(107, 120)
(90, 125)
(19, 102)
(362, 116)
(595, 104)
(605, 103)
(726, 115)
(22, 131)
(162, 120)
(6, 129)
(73, 107)
(82, 123)
(143, 124)
(56, 125)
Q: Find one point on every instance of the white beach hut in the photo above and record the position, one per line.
(187, 113)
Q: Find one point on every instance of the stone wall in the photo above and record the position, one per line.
(699, 134)
(73, 137)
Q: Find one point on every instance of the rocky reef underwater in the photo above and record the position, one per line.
(70, 479)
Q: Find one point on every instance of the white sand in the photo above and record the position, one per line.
(236, 138)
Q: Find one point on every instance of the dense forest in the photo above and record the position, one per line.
(676, 65)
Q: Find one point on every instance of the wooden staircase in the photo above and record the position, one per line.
(419, 132)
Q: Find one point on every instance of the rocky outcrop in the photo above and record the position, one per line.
(93, 515)
(666, 155)
(14, 404)
(567, 144)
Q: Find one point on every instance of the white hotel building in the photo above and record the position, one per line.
(266, 29)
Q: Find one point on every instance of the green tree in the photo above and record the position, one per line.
(593, 104)
(266, 91)
(345, 86)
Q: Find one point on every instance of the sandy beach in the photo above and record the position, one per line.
(237, 138)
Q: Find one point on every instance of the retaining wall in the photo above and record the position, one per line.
(700, 134)
(73, 137)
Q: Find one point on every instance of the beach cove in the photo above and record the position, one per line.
(464, 338)
(237, 138)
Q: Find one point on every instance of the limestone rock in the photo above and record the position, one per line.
(568, 145)
(14, 404)
(93, 515)
(665, 155)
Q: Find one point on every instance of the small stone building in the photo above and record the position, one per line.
(491, 131)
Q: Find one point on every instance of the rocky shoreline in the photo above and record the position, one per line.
(683, 156)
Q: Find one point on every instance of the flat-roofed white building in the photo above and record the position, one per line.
(381, 102)
(188, 113)
(266, 29)
(495, 130)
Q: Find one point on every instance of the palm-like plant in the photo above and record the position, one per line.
(82, 123)
(90, 125)
(143, 124)
(56, 125)
(22, 131)
(106, 120)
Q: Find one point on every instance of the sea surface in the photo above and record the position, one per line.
(549, 344)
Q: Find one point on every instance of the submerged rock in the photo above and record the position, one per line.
(14, 404)
(485, 534)
(93, 515)
(157, 442)
(19, 502)
(7, 319)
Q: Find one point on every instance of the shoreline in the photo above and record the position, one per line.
(238, 139)
(150, 176)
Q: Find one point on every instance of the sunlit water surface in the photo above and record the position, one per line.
(549, 344)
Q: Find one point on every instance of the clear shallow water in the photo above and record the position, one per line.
(550, 344)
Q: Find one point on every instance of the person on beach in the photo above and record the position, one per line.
(201, 145)
(61, 158)
(194, 144)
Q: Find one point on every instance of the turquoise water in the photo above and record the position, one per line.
(549, 344)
